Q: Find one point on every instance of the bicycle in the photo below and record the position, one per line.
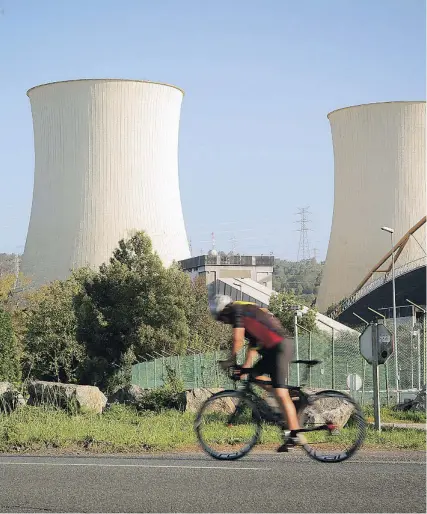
(243, 411)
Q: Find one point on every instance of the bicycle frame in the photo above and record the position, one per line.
(268, 414)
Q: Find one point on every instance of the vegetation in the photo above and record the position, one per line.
(283, 305)
(10, 369)
(389, 415)
(122, 429)
(51, 350)
(92, 327)
(301, 278)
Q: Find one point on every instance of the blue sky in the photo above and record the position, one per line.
(260, 78)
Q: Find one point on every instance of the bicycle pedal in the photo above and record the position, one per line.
(285, 448)
(289, 445)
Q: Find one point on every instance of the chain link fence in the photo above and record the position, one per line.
(342, 368)
(197, 370)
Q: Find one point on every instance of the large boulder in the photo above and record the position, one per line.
(130, 395)
(417, 404)
(10, 397)
(328, 410)
(192, 400)
(82, 398)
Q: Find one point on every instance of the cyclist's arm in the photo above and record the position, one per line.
(250, 357)
(238, 340)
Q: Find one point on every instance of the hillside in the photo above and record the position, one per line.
(7, 263)
(301, 277)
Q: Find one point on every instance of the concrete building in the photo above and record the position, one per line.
(243, 277)
(215, 266)
(380, 180)
(106, 165)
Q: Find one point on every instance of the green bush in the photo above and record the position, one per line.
(169, 396)
(10, 367)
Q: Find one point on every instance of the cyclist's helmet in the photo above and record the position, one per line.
(218, 303)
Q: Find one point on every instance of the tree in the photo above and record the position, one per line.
(282, 305)
(205, 332)
(6, 285)
(51, 349)
(10, 367)
(303, 278)
(131, 308)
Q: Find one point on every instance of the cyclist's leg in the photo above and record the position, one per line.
(279, 376)
(280, 358)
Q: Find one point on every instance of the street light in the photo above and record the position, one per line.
(391, 232)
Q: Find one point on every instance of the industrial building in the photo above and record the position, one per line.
(106, 165)
(243, 277)
(380, 173)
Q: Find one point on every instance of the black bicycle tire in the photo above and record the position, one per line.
(360, 439)
(257, 422)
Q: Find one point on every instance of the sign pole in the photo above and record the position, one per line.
(377, 415)
(296, 343)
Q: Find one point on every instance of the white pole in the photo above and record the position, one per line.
(296, 342)
(394, 318)
(375, 378)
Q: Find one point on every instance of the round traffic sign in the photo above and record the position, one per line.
(354, 382)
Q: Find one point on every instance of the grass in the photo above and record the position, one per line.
(123, 430)
(389, 415)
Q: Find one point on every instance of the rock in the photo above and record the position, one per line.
(417, 404)
(192, 400)
(10, 397)
(67, 396)
(129, 395)
(328, 410)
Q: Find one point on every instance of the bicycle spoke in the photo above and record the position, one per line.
(228, 426)
(334, 427)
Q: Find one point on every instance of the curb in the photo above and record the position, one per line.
(407, 426)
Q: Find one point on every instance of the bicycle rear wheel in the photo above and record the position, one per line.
(228, 425)
(344, 426)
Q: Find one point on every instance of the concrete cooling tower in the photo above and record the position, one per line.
(106, 164)
(380, 180)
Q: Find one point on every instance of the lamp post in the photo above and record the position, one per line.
(391, 232)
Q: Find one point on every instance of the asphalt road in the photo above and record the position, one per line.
(379, 482)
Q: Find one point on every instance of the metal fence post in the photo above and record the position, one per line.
(363, 383)
(179, 368)
(146, 374)
(333, 358)
(425, 345)
(155, 374)
(296, 343)
(309, 358)
(386, 384)
(194, 371)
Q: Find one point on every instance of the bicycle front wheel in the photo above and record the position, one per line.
(336, 426)
(228, 425)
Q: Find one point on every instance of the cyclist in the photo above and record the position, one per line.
(268, 338)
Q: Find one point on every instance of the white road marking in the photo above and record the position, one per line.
(101, 465)
(421, 463)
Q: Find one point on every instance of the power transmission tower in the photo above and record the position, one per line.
(304, 245)
(233, 244)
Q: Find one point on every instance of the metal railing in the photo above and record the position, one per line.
(346, 303)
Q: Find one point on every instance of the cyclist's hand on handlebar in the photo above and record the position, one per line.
(236, 372)
(227, 363)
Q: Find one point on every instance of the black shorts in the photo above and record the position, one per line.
(274, 362)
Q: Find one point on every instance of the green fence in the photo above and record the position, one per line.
(197, 370)
(338, 351)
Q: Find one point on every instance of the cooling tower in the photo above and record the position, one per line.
(106, 164)
(380, 173)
